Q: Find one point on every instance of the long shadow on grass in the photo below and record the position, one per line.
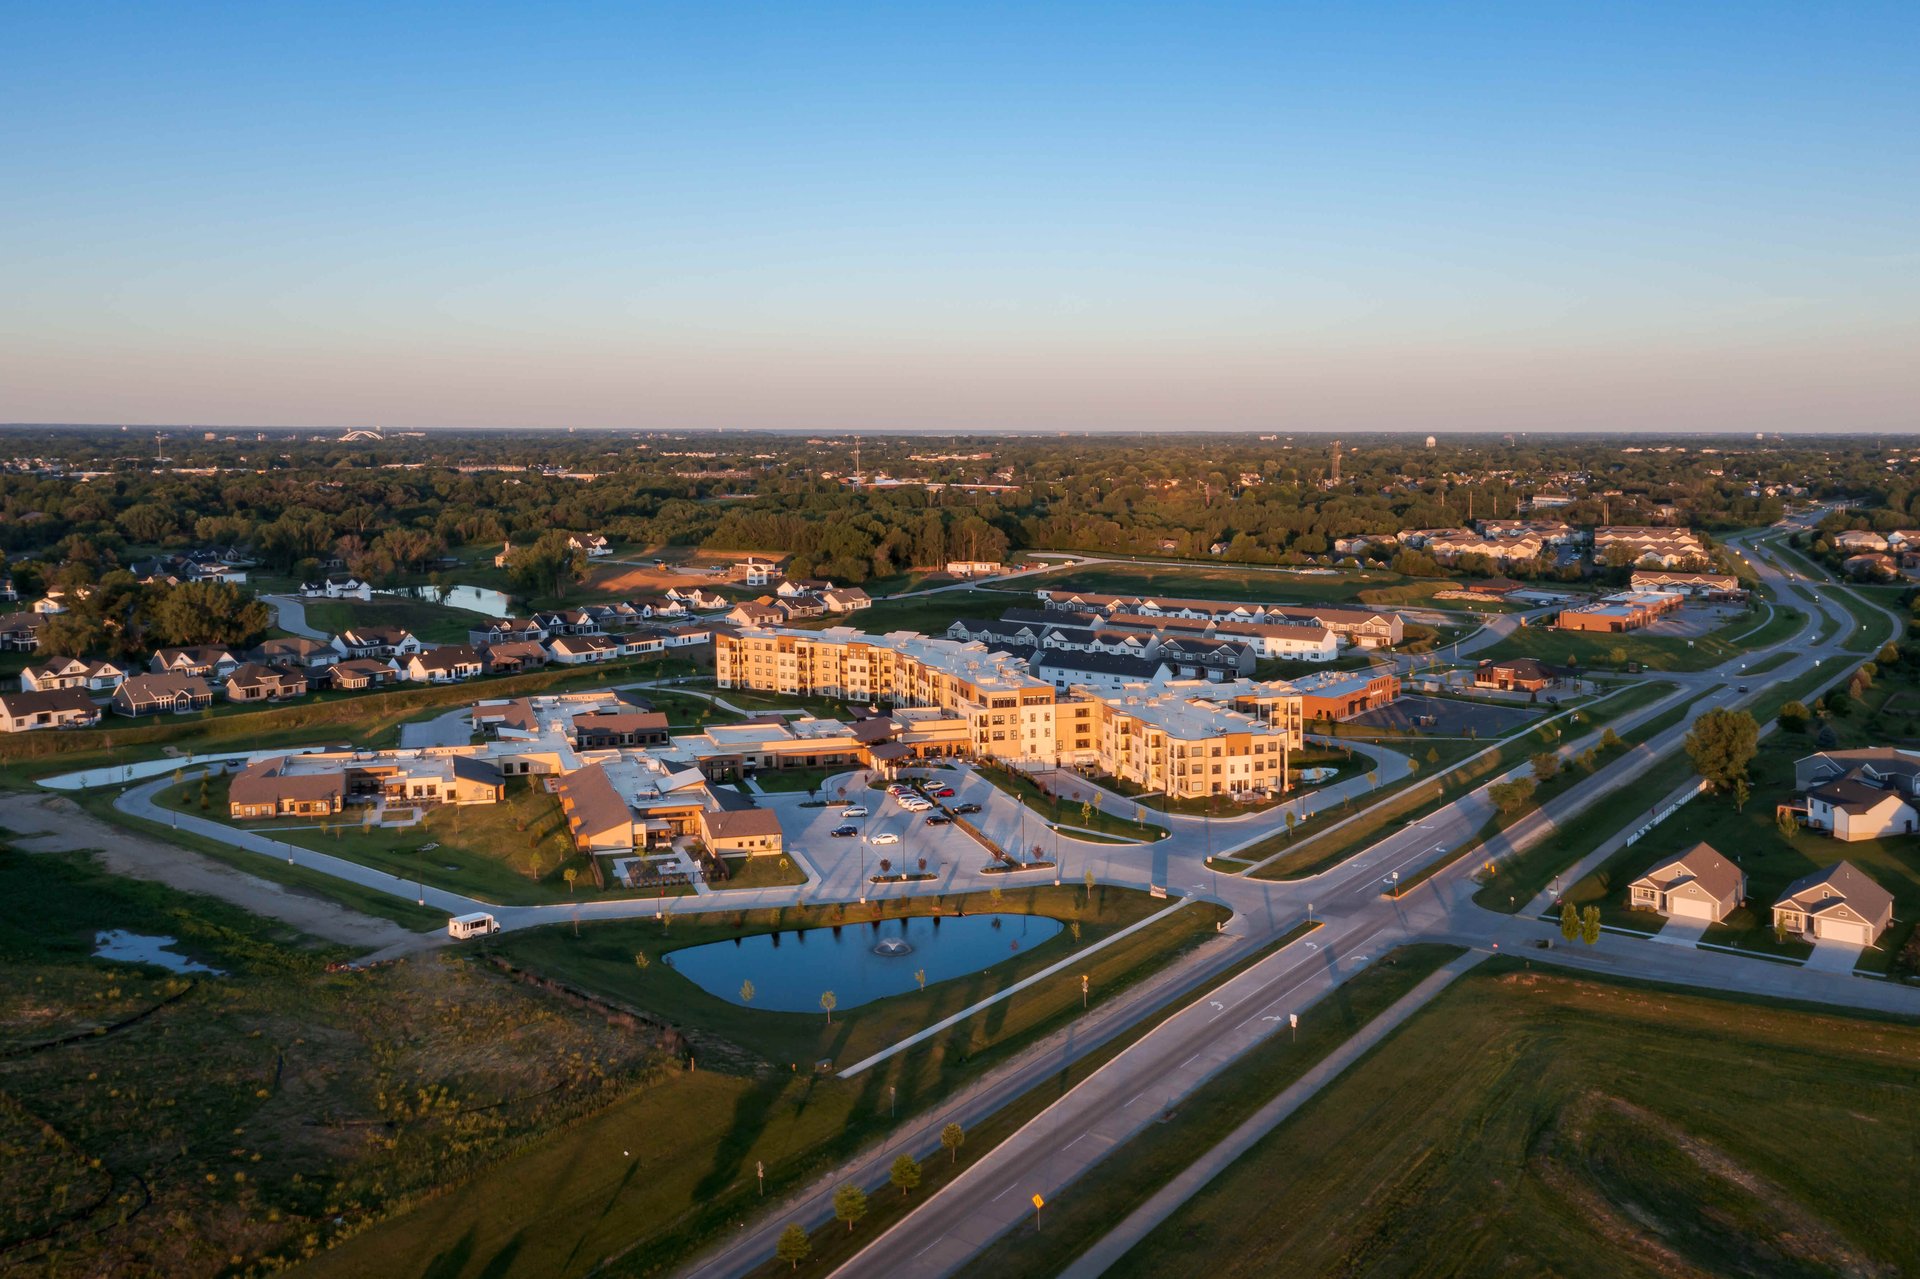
(450, 1263)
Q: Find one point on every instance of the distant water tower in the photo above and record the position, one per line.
(1431, 441)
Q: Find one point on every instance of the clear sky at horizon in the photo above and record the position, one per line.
(1282, 217)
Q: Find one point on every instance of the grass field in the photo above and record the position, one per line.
(1202, 581)
(1124, 821)
(212, 1125)
(671, 1167)
(927, 614)
(433, 623)
(1580, 1127)
(1654, 652)
(1130, 1175)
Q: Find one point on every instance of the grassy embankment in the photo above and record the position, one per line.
(1662, 1131)
(1589, 651)
(671, 1168)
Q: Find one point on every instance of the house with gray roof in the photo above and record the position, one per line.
(1698, 884)
(1839, 903)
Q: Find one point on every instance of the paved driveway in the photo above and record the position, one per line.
(1834, 956)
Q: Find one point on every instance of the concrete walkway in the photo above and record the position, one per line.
(1114, 1245)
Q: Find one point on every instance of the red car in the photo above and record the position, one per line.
(945, 792)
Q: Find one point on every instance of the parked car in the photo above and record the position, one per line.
(939, 819)
(966, 808)
(840, 832)
(855, 811)
(887, 837)
(945, 792)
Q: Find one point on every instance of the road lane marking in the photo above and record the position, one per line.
(1004, 1193)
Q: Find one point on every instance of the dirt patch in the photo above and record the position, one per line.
(54, 823)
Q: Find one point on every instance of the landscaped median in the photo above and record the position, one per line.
(1294, 856)
(1090, 815)
(665, 1171)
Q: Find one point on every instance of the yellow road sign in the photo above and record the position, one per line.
(1038, 1202)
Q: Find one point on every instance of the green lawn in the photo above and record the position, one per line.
(1239, 584)
(434, 623)
(671, 1167)
(762, 872)
(1125, 822)
(1130, 1175)
(1654, 652)
(927, 614)
(1309, 853)
(795, 779)
(1579, 1127)
(1770, 859)
(516, 852)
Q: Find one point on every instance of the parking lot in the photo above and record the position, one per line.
(1450, 718)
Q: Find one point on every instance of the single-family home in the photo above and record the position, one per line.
(577, 650)
(360, 673)
(213, 661)
(376, 641)
(1862, 803)
(337, 586)
(1698, 884)
(253, 682)
(506, 630)
(845, 599)
(513, 656)
(445, 664)
(1839, 903)
(295, 652)
(20, 632)
(1859, 539)
(54, 708)
(168, 693)
(758, 613)
(71, 672)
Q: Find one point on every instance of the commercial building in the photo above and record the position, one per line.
(1626, 611)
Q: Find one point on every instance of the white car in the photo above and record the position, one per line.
(855, 811)
(915, 805)
(887, 837)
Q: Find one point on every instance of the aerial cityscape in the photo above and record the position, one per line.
(1056, 642)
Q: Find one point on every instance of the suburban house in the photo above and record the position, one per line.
(593, 544)
(845, 599)
(340, 586)
(168, 693)
(1871, 564)
(685, 634)
(446, 664)
(1720, 585)
(578, 650)
(567, 621)
(54, 708)
(361, 672)
(1698, 884)
(296, 652)
(271, 789)
(515, 655)
(1869, 793)
(1517, 674)
(209, 660)
(1859, 539)
(70, 672)
(758, 613)
(975, 568)
(506, 630)
(1838, 903)
(697, 599)
(757, 572)
(256, 683)
(376, 641)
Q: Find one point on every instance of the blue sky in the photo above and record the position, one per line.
(1431, 216)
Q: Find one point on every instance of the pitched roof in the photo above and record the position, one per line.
(268, 782)
(1702, 864)
(448, 656)
(1840, 883)
(741, 822)
(56, 699)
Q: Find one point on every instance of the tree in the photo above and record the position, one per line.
(829, 1002)
(1722, 744)
(548, 565)
(905, 1174)
(1609, 740)
(1088, 879)
(794, 1245)
(1590, 925)
(1789, 824)
(1291, 819)
(640, 960)
(1433, 754)
(951, 1136)
(746, 991)
(570, 874)
(1569, 921)
(1794, 717)
(1511, 797)
(1546, 766)
(920, 977)
(849, 1204)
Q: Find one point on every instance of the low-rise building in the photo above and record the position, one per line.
(1515, 674)
(295, 651)
(446, 664)
(270, 788)
(1625, 611)
(1698, 884)
(377, 641)
(1340, 695)
(361, 673)
(54, 708)
(20, 632)
(579, 650)
(253, 682)
(212, 661)
(1840, 903)
(71, 672)
(170, 693)
(514, 656)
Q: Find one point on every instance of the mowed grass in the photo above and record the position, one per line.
(432, 623)
(515, 852)
(1201, 581)
(653, 1178)
(1528, 1123)
(1654, 652)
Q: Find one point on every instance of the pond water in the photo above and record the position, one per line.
(474, 599)
(139, 948)
(790, 969)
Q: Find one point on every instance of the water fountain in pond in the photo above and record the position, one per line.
(893, 946)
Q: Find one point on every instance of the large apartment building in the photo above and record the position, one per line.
(1193, 737)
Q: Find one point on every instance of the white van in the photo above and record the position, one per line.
(461, 927)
